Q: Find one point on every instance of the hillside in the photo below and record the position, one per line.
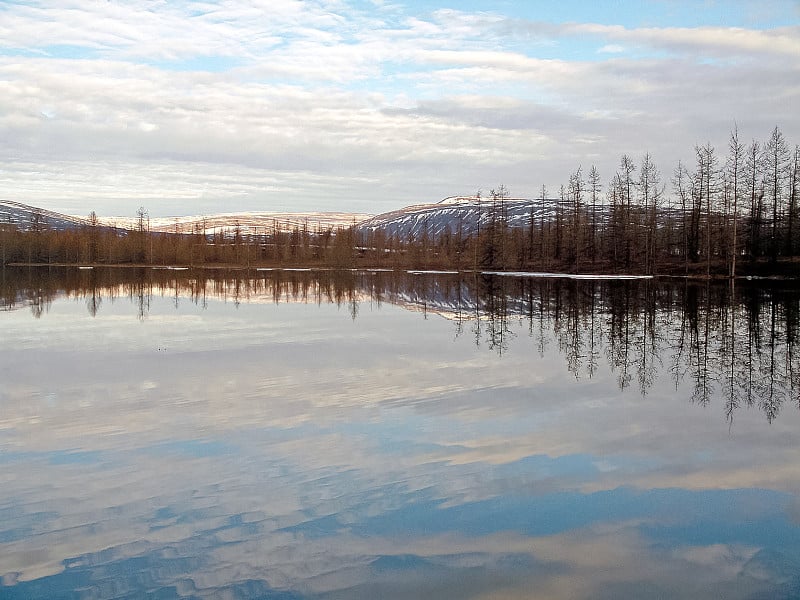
(459, 213)
(249, 223)
(467, 214)
(25, 217)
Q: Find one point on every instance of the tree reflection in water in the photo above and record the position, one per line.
(736, 342)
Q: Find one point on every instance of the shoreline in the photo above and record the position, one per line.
(599, 275)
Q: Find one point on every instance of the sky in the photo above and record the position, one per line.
(203, 107)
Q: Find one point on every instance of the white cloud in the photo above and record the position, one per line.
(611, 49)
(717, 41)
(333, 90)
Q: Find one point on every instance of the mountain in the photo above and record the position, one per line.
(459, 213)
(26, 217)
(249, 223)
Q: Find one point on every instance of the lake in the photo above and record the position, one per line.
(297, 434)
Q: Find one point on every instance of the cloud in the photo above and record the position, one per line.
(729, 42)
(726, 42)
(406, 105)
(611, 49)
(143, 30)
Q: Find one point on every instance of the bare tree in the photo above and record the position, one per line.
(594, 190)
(542, 200)
(650, 195)
(777, 163)
(755, 183)
(575, 194)
(680, 185)
(792, 245)
(627, 185)
(142, 233)
(734, 171)
(706, 182)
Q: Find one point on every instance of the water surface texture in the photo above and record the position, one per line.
(209, 434)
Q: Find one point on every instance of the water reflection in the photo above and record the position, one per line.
(736, 342)
(325, 435)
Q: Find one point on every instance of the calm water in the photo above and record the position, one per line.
(176, 434)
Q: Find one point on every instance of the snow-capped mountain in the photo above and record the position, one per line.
(25, 217)
(465, 214)
(248, 223)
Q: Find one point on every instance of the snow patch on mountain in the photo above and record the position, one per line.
(461, 215)
(248, 223)
(27, 218)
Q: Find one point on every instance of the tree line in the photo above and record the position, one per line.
(720, 213)
(95, 244)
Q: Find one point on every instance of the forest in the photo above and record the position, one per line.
(720, 214)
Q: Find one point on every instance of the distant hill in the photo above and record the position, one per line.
(26, 217)
(251, 223)
(458, 213)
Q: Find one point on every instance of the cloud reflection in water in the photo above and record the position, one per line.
(288, 450)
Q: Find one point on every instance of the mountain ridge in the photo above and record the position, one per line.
(454, 215)
(465, 213)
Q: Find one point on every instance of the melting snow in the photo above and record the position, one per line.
(564, 275)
